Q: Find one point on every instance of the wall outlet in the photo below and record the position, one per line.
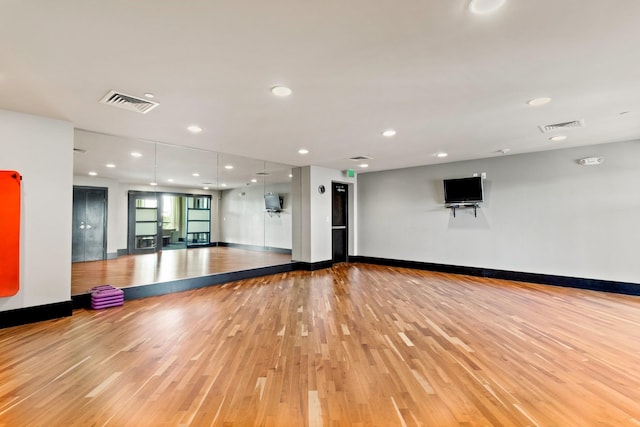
(483, 175)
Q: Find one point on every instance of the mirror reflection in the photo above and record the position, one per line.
(146, 212)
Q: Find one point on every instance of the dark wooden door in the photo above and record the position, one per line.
(340, 221)
(89, 241)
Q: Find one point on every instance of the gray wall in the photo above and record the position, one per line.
(543, 213)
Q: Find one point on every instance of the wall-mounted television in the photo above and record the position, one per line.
(273, 202)
(463, 191)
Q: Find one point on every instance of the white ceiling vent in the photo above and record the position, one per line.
(360, 158)
(561, 126)
(128, 102)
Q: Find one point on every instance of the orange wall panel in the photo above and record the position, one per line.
(10, 182)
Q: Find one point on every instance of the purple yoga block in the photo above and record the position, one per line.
(99, 305)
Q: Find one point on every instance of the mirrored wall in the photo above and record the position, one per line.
(147, 212)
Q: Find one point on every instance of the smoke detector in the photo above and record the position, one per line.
(128, 102)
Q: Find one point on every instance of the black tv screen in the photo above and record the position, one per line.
(463, 190)
(273, 202)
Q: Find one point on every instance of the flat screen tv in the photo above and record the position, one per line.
(463, 191)
(273, 202)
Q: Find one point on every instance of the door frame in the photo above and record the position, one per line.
(105, 229)
(347, 222)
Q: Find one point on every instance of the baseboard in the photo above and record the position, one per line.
(112, 255)
(256, 248)
(22, 316)
(122, 252)
(312, 266)
(626, 288)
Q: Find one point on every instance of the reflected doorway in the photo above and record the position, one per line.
(165, 221)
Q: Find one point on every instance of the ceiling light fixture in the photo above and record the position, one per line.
(558, 138)
(254, 180)
(229, 167)
(153, 183)
(92, 173)
(281, 91)
(205, 188)
(485, 7)
(290, 175)
(303, 151)
(194, 129)
(223, 185)
(538, 102)
(195, 174)
(389, 133)
(364, 165)
(441, 154)
(149, 95)
(170, 180)
(110, 165)
(136, 154)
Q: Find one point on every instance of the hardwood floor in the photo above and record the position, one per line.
(133, 270)
(355, 345)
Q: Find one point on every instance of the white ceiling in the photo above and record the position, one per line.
(445, 79)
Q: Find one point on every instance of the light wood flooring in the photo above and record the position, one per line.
(164, 266)
(355, 345)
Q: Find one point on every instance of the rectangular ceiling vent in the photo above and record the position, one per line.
(561, 126)
(128, 102)
(79, 150)
(360, 158)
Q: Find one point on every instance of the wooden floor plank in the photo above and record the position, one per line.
(357, 345)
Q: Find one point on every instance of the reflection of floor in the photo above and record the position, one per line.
(131, 270)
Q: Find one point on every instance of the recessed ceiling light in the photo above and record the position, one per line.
(290, 175)
(136, 154)
(364, 165)
(149, 95)
(93, 173)
(170, 180)
(110, 165)
(281, 91)
(254, 180)
(389, 133)
(303, 151)
(484, 7)
(205, 188)
(153, 183)
(194, 129)
(195, 174)
(537, 102)
(441, 154)
(223, 185)
(558, 138)
(229, 167)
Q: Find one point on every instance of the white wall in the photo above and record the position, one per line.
(41, 150)
(312, 223)
(243, 219)
(543, 214)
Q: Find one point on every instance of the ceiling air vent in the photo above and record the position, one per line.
(128, 102)
(262, 173)
(561, 126)
(79, 150)
(360, 158)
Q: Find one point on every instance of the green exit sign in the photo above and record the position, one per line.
(351, 173)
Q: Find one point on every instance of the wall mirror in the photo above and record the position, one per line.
(147, 212)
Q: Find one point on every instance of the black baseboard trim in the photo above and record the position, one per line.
(313, 266)
(122, 252)
(625, 288)
(22, 316)
(256, 248)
